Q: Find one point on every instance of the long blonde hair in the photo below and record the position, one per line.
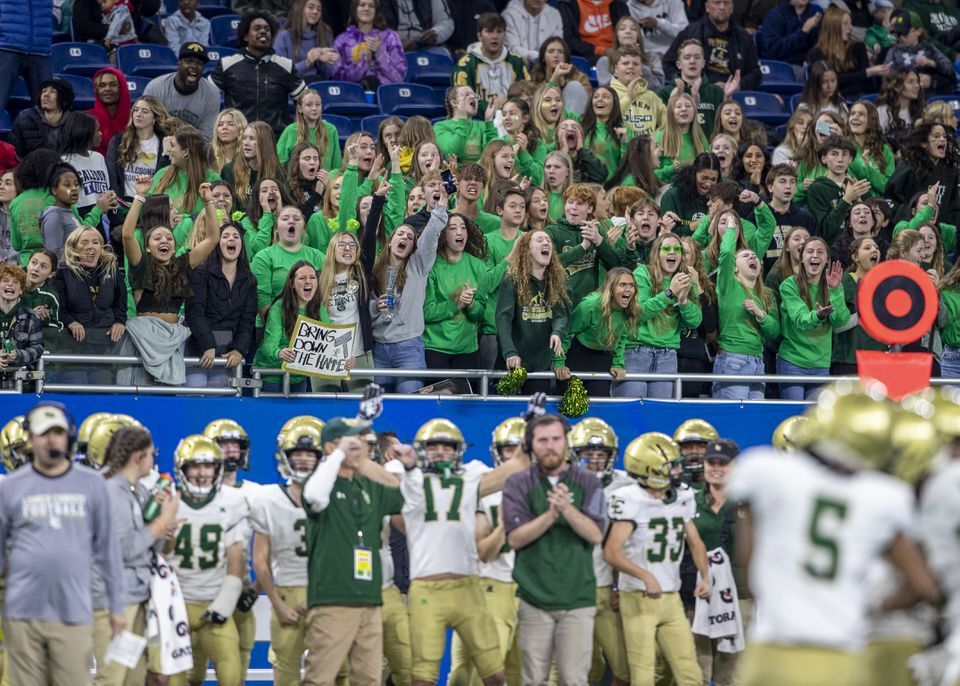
(268, 164)
(567, 162)
(491, 150)
(71, 253)
(221, 155)
(672, 134)
(539, 123)
(328, 275)
(607, 308)
(693, 249)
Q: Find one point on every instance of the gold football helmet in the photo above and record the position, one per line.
(789, 434)
(300, 433)
(96, 455)
(14, 449)
(509, 432)
(695, 431)
(648, 459)
(593, 433)
(439, 431)
(915, 440)
(227, 431)
(192, 450)
(851, 425)
(86, 429)
(946, 409)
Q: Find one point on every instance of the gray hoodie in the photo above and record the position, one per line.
(56, 223)
(407, 320)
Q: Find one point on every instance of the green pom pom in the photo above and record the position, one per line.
(353, 225)
(238, 216)
(512, 382)
(576, 400)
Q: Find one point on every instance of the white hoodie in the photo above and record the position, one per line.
(671, 20)
(526, 33)
(494, 77)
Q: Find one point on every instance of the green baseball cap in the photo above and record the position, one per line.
(338, 427)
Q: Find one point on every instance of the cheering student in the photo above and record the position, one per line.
(189, 167)
(460, 134)
(258, 157)
(788, 263)
(681, 139)
(830, 196)
(600, 325)
(865, 254)
(812, 307)
(687, 198)
(781, 184)
(310, 127)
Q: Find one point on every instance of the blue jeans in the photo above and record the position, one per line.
(651, 361)
(950, 363)
(401, 355)
(798, 391)
(737, 363)
(36, 69)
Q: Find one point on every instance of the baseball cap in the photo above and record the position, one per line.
(901, 22)
(43, 418)
(194, 49)
(724, 449)
(338, 427)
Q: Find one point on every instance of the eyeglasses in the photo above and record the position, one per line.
(671, 249)
(343, 245)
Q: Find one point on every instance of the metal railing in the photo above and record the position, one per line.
(486, 389)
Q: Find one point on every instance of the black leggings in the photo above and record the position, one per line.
(583, 359)
(438, 360)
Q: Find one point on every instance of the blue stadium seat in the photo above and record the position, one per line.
(371, 124)
(216, 53)
(19, 97)
(778, 77)
(580, 64)
(344, 98)
(762, 107)
(223, 30)
(409, 99)
(794, 102)
(6, 123)
(429, 68)
(953, 100)
(345, 125)
(146, 60)
(135, 85)
(82, 90)
(211, 11)
(872, 97)
(84, 59)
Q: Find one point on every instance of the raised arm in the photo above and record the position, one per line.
(203, 249)
(131, 248)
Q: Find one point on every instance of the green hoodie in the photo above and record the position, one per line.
(847, 343)
(950, 332)
(556, 209)
(587, 325)
(320, 230)
(948, 232)
(447, 328)
(825, 202)
(524, 330)
(331, 159)
(583, 266)
(275, 339)
(465, 138)
(689, 211)
(667, 170)
(757, 236)
(807, 339)
(740, 332)
(609, 149)
(660, 316)
(25, 210)
(178, 190)
(711, 97)
(256, 238)
(498, 248)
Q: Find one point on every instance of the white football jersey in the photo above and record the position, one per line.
(386, 555)
(657, 541)
(248, 490)
(816, 533)
(274, 514)
(501, 567)
(199, 556)
(938, 527)
(601, 569)
(440, 516)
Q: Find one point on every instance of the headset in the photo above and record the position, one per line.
(71, 424)
(533, 423)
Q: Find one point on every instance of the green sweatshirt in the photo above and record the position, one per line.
(740, 332)
(275, 339)
(847, 343)
(948, 232)
(757, 236)
(689, 211)
(320, 229)
(257, 238)
(666, 172)
(950, 333)
(660, 316)
(587, 325)
(711, 97)
(272, 265)
(465, 138)
(524, 329)
(556, 209)
(807, 339)
(331, 156)
(825, 202)
(609, 149)
(583, 266)
(498, 248)
(447, 328)
(25, 212)
(178, 190)
(878, 172)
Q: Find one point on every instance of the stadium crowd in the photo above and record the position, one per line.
(616, 187)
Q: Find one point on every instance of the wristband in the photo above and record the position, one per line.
(139, 198)
(670, 294)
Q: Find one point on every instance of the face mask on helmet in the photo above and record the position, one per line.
(596, 460)
(439, 447)
(199, 466)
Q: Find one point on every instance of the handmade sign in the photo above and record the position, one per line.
(321, 349)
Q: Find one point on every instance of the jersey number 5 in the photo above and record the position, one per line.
(453, 514)
(824, 557)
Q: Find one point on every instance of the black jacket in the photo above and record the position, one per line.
(31, 132)
(854, 80)
(259, 86)
(421, 8)
(97, 300)
(570, 14)
(742, 54)
(216, 306)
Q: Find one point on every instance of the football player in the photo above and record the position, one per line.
(85, 430)
(207, 555)
(235, 447)
(280, 546)
(439, 512)
(787, 434)
(594, 445)
(14, 449)
(692, 436)
(652, 520)
(814, 522)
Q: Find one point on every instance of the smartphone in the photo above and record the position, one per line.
(823, 128)
(122, 202)
(449, 185)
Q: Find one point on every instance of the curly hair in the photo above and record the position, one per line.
(916, 155)
(692, 249)
(890, 91)
(686, 182)
(873, 142)
(476, 241)
(520, 269)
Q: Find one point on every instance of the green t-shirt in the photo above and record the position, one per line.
(178, 189)
(447, 328)
(951, 332)
(588, 326)
(740, 332)
(333, 545)
(465, 138)
(661, 317)
(271, 266)
(331, 156)
(25, 210)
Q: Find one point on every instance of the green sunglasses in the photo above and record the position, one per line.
(675, 249)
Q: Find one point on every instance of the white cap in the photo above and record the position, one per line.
(880, 4)
(43, 418)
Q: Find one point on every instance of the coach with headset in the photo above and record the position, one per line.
(55, 525)
(554, 514)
